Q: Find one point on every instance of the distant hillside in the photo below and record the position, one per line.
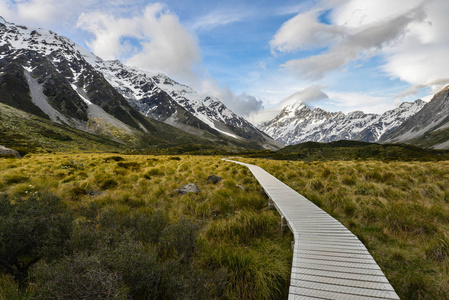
(353, 150)
(27, 133)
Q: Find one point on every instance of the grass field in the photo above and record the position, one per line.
(399, 210)
(124, 233)
(222, 243)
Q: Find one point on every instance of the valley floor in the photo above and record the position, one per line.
(118, 217)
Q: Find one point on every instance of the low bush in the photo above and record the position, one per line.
(31, 229)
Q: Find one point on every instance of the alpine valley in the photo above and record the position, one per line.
(52, 78)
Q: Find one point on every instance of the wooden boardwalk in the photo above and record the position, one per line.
(329, 262)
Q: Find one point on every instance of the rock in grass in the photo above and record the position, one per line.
(9, 152)
(188, 188)
(214, 179)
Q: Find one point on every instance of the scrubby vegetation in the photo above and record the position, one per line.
(353, 150)
(109, 225)
(399, 210)
(102, 226)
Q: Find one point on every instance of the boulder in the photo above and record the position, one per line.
(188, 188)
(9, 152)
(214, 179)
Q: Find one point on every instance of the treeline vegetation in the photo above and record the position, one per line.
(102, 226)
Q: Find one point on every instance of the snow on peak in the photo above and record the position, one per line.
(301, 125)
(2, 20)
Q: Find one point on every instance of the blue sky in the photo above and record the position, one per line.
(340, 55)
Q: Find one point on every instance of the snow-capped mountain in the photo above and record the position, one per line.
(146, 92)
(297, 123)
(427, 128)
(70, 85)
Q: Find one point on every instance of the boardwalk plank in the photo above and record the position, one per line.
(329, 261)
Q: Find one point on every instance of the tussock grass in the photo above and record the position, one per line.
(9, 290)
(222, 243)
(399, 210)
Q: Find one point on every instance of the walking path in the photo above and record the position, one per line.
(329, 262)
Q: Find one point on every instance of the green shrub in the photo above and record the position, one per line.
(179, 240)
(32, 229)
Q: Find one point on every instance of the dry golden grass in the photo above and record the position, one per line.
(399, 210)
(239, 243)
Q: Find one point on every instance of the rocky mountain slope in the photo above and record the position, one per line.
(427, 128)
(297, 123)
(52, 77)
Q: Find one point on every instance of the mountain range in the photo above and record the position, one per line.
(52, 77)
(297, 123)
(55, 80)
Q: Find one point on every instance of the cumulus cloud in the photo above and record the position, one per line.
(156, 40)
(242, 104)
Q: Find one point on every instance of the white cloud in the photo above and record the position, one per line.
(242, 104)
(421, 59)
(436, 86)
(304, 32)
(410, 37)
(156, 40)
(344, 43)
(309, 96)
(351, 101)
(30, 12)
(218, 18)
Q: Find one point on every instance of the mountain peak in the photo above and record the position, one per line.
(2, 20)
(405, 105)
(297, 124)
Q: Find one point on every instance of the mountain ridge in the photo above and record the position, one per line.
(297, 123)
(427, 128)
(68, 84)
